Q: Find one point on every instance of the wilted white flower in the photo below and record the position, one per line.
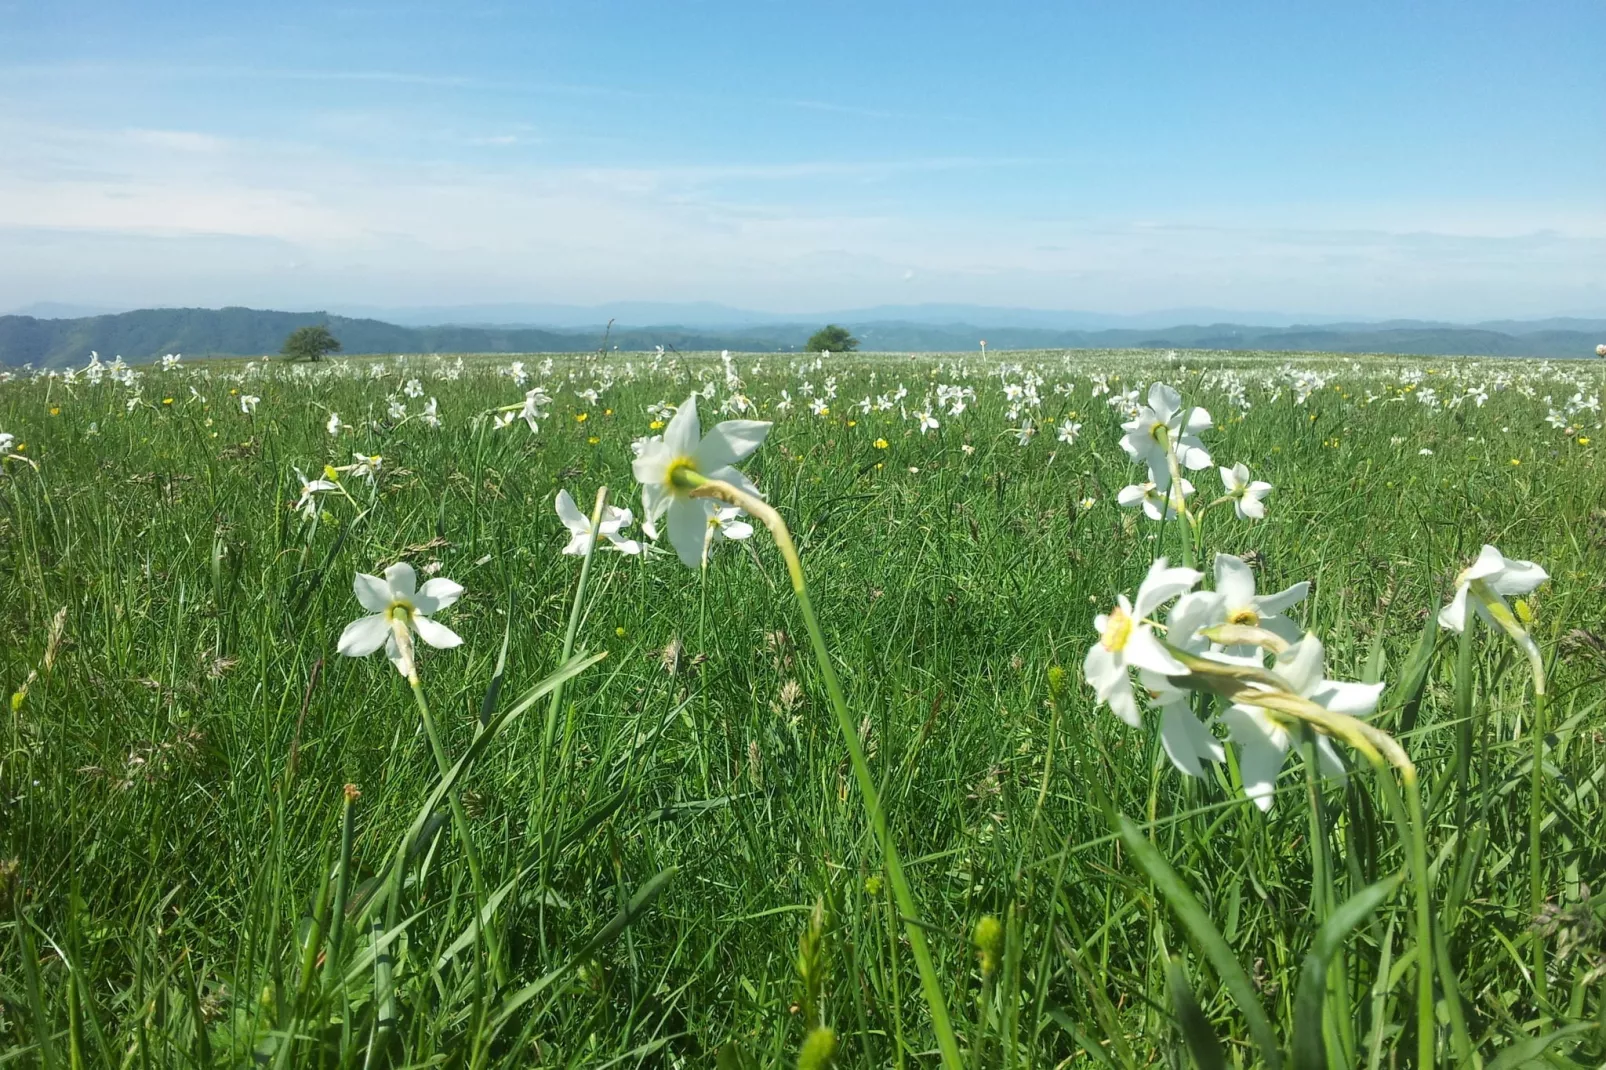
(1158, 503)
(1497, 575)
(581, 536)
(249, 403)
(431, 414)
(307, 504)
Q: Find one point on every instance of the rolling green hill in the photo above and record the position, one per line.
(199, 332)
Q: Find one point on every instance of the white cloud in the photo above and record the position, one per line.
(87, 213)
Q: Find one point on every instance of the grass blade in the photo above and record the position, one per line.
(1196, 1031)
(1309, 1048)
(1204, 932)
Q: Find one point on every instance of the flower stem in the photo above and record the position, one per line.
(942, 1025)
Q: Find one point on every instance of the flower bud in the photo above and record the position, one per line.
(989, 941)
(819, 1049)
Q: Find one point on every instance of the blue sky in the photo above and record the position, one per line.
(1369, 159)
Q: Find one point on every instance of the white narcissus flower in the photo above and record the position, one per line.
(1235, 582)
(726, 523)
(249, 403)
(1160, 423)
(334, 426)
(928, 422)
(535, 403)
(396, 598)
(684, 448)
(1155, 501)
(1068, 431)
(1247, 495)
(431, 415)
(1500, 575)
(613, 521)
(1263, 740)
(1127, 641)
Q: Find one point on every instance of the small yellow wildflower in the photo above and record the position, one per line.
(1583, 440)
(607, 412)
(853, 423)
(880, 443)
(1515, 462)
(581, 417)
(167, 401)
(55, 410)
(593, 440)
(656, 425)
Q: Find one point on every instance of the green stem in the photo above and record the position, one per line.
(942, 1025)
(1536, 790)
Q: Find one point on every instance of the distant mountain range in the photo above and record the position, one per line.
(148, 333)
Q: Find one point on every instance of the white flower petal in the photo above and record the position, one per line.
(1301, 665)
(1268, 604)
(683, 432)
(1185, 740)
(372, 592)
(364, 636)
(1454, 615)
(1260, 762)
(1518, 577)
(1357, 700)
(1235, 580)
(1490, 561)
(437, 594)
(729, 443)
(1143, 651)
(402, 579)
(1161, 585)
(688, 527)
(434, 633)
(570, 514)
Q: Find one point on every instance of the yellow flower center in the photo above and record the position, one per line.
(676, 475)
(1117, 630)
(1245, 617)
(399, 610)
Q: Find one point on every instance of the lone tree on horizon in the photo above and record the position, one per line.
(313, 342)
(831, 338)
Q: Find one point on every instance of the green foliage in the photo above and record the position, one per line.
(312, 342)
(184, 881)
(831, 339)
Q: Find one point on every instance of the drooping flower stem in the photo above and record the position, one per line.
(942, 1025)
(1381, 751)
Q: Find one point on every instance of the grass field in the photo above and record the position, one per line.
(223, 842)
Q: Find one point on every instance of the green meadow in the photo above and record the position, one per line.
(640, 816)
